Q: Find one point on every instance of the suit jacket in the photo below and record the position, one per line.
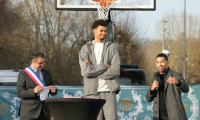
(31, 106)
(172, 94)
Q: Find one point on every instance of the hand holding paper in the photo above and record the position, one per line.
(38, 89)
(53, 88)
(44, 94)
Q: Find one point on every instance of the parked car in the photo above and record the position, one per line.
(9, 77)
(132, 75)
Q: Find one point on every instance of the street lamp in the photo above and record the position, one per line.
(164, 21)
(167, 30)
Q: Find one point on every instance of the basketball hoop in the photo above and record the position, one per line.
(103, 7)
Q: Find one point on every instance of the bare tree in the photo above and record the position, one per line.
(60, 35)
(9, 21)
(175, 44)
(128, 37)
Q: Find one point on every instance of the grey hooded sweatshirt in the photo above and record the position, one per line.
(92, 73)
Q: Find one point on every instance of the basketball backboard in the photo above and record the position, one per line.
(87, 5)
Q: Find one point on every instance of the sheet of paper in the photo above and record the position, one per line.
(44, 94)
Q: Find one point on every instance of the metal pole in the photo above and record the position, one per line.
(163, 35)
(110, 29)
(184, 63)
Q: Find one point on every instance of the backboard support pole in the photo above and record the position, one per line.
(110, 29)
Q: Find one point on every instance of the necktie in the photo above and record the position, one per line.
(38, 73)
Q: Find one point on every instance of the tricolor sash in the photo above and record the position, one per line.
(34, 76)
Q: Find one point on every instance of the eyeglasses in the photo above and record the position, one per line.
(40, 63)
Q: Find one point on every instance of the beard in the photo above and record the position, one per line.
(102, 38)
(161, 70)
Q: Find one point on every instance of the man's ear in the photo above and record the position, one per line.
(94, 30)
(168, 63)
(32, 61)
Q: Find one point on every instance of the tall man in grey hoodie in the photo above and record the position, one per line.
(100, 66)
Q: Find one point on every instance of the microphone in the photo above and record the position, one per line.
(155, 78)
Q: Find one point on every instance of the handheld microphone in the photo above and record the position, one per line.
(155, 78)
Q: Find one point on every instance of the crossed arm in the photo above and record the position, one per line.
(88, 63)
(100, 71)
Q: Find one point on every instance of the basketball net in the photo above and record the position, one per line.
(103, 7)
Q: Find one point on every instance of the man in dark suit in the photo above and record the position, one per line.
(165, 91)
(32, 107)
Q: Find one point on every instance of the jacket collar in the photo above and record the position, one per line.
(167, 74)
(91, 46)
(106, 43)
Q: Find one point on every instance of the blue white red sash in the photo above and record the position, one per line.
(34, 76)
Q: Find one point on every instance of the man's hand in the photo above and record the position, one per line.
(154, 85)
(108, 66)
(172, 80)
(87, 62)
(38, 89)
(53, 88)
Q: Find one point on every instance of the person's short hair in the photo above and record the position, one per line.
(162, 55)
(36, 55)
(97, 23)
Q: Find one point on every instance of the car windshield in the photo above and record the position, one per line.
(132, 77)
